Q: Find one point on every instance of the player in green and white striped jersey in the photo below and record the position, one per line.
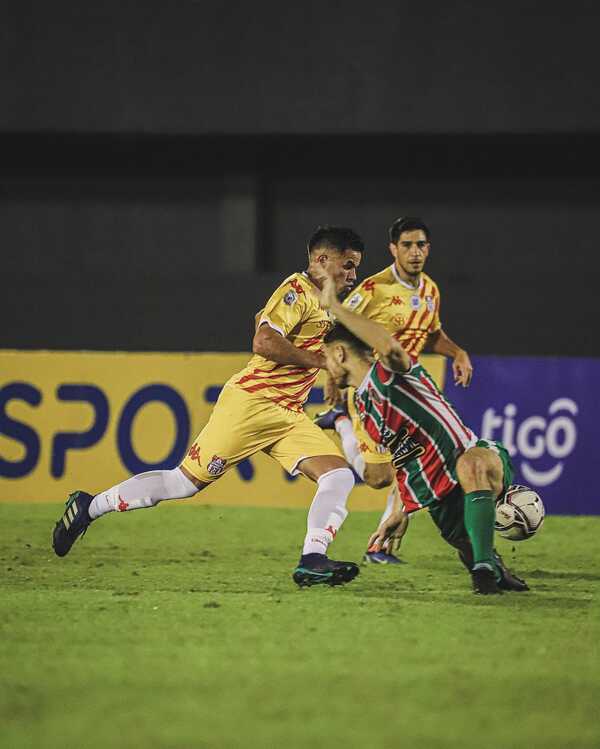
(439, 462)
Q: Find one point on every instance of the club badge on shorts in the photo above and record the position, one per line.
(216, 465)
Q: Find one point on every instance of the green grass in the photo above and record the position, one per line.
(181, 627)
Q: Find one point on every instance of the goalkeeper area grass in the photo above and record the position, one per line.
(180, 627)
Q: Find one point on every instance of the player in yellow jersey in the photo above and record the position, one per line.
(406, 301)
(260, 408)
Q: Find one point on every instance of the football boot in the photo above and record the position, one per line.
(74, 522)
(327, 419)
(380, 557)
(317, 569)
(484, 581)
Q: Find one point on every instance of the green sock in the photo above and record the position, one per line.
(480, 513)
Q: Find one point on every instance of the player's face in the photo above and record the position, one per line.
(342, 266)
(410, 252)
(335, 356)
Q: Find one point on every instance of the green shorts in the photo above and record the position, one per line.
(448, 514)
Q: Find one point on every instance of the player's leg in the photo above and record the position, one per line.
(326, 515)
(500, 475)
(229, 436)
(371, 462)
(307, 450)
(342, 421)
(448, 516)
(140, 491)
(480, 473)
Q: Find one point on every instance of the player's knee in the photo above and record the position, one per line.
(378, 475)
(337, 478)
(473, 469)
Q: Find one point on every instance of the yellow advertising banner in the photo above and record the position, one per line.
(89, 419)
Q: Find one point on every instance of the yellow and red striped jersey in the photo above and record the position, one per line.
(295, 313)
(409, 314)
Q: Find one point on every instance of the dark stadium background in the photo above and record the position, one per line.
(161, 167)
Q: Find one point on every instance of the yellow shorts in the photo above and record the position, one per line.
(243, 423)
(370, 450)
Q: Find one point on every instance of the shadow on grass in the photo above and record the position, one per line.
(553, 575)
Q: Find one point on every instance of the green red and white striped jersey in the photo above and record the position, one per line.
(408, 414)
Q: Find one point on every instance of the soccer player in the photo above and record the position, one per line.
(439, 462)
(406, 301)
(260, 408)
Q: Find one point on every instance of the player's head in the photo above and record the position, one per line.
(336, 250)
(410, 241)
(343, 351)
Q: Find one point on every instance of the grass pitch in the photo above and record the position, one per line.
(180, 627)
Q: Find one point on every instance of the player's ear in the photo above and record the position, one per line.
(393, 249)
(340, 353)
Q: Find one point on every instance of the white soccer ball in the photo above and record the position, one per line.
(519, 513)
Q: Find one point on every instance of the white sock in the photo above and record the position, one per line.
(328, 510)
(343, 426)
(143, 490)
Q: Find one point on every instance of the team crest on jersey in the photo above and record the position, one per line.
(354, 300)
(430, 303)
(290, 297)
(415, 302)
(216, 465)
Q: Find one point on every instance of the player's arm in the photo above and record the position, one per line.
(440, 343)
(273, 346)
(373, 334)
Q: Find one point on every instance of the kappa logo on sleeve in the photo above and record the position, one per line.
(194, 453)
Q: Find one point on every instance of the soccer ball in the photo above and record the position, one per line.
(519, 513)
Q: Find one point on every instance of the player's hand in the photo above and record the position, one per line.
(390, 533)
(462, 369)
(328, 293)
(331, 392)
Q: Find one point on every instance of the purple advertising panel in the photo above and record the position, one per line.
(546, 411)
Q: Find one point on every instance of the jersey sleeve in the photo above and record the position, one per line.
(436, 322)
(386, 374)
(359, 300)
(285, 309)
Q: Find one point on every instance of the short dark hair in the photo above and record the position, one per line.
(338, 238)
(407, 223)
(340, 333)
